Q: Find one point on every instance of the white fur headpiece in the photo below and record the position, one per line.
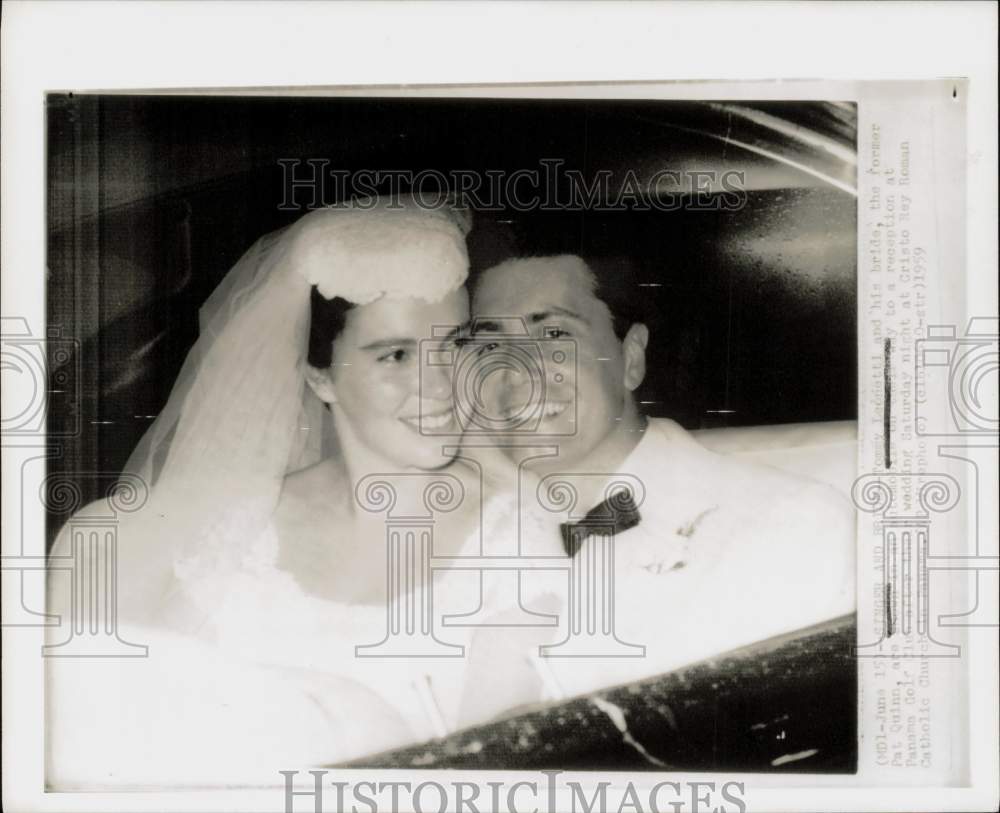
(384, 247)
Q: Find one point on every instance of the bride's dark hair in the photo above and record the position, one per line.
(326, 320)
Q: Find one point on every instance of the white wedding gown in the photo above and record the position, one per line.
(270, 682)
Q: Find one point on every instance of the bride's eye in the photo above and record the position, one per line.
(396, 355)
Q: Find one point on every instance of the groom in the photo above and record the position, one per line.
(713, 553)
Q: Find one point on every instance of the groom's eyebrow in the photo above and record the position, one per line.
(382, 344)
(487, 325)
(555, 310)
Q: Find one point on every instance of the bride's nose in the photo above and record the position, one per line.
(435, 383)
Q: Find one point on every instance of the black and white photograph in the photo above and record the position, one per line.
(497, 407)
(478, 433)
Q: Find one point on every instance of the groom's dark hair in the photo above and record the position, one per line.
(616, 284)
(599, 242)
(326, 320)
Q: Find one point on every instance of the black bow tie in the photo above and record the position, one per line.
(616, 514)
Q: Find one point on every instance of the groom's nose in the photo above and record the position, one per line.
(510, 378)
(522, 375)
(515, 388)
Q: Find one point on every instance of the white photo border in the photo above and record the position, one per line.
(427, 49)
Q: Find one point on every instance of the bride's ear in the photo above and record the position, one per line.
(321, 383)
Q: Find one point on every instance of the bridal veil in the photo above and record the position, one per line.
(240, 416)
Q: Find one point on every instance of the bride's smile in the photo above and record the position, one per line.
(391, 410)
(431, 417)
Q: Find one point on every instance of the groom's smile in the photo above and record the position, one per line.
(576, 390)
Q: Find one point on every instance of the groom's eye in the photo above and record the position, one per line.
(396, 355)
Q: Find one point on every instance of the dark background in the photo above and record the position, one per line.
(153, 198)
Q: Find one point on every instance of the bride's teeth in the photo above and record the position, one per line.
(436, 421)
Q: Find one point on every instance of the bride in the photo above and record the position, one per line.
(255, 574)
